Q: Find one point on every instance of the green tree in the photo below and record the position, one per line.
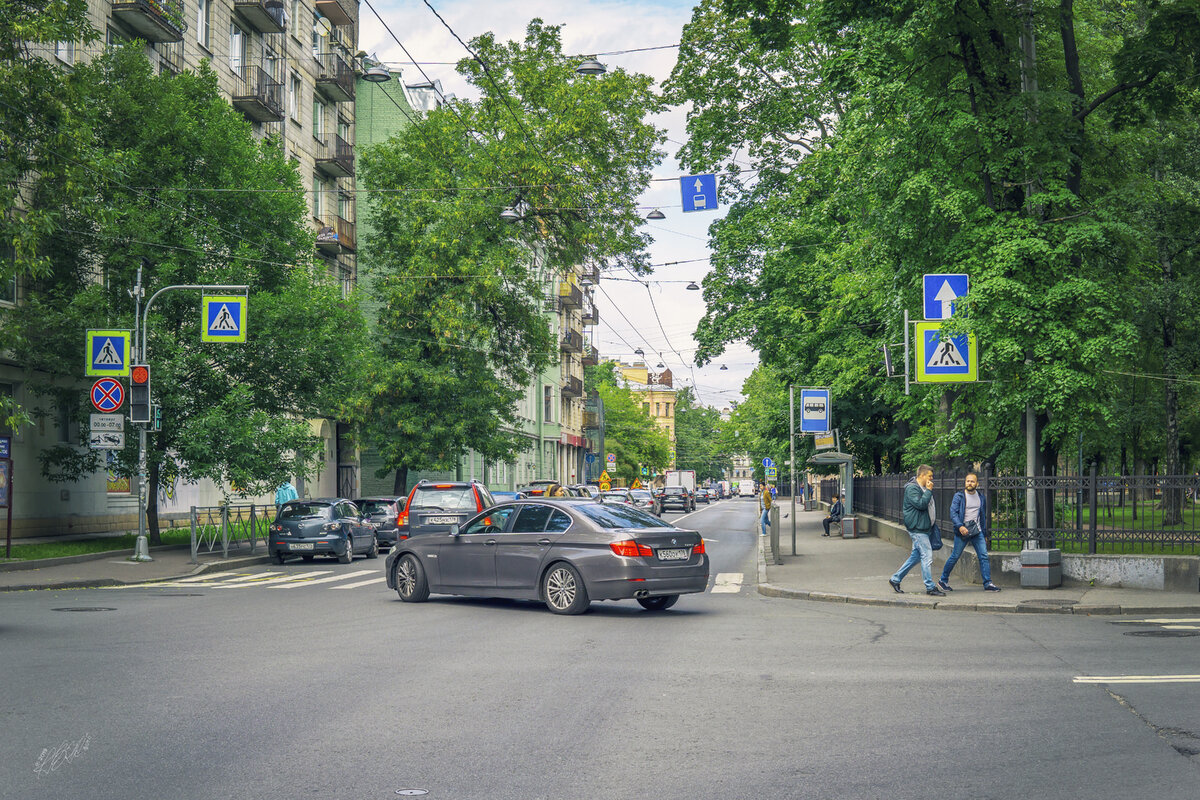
(234, 414)
(462, 330)
(629, 430)
(698, 436)
(897, 139)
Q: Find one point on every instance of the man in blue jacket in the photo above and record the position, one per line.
(920, 513)
(836, 511)
(968, 516)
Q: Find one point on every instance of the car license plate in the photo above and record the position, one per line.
(440, 520)
(680, 554)
(301, 546)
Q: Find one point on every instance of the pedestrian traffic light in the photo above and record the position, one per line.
(139, 394)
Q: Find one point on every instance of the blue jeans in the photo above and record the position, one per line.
(980, 544)
(922, 551)
(766, 522)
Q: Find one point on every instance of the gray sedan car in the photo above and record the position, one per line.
(561, 552)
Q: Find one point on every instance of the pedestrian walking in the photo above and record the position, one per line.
(765, 520)
(836, 512)
(968, 516)
(920, 515)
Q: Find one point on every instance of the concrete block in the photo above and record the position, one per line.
(849, 527)
(1041, 569)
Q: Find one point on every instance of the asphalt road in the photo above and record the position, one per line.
(248, 686)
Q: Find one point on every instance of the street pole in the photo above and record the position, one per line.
(792, 463)
(906, 358)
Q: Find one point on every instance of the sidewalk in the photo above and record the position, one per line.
(115, 568)
(857, 571)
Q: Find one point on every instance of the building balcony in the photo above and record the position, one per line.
(264, 16)
(257, 95)
(336, 236)
(592, 272)
(591, 357)
(572, 387)
(152, 20)
(569, 295)
(591, 420)
(335, 11)
(591, 314)
(572, 342)
(336, 158)
(335, 79)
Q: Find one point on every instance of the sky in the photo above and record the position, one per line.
(627, 309)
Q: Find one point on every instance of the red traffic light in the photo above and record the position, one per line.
(140, 375)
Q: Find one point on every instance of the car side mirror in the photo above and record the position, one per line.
(454, 530)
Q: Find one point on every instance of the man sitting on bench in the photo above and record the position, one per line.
(835, 514)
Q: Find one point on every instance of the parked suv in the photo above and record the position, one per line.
(677, 497)
(384, 515)
(434, 507)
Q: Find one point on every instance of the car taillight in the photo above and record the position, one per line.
(629, 548)
(698, 550)
(403, 519)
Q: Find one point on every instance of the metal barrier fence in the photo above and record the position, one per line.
(1076, 513)
(229, 526)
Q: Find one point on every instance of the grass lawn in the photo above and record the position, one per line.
(1068, 544)
(31, 552)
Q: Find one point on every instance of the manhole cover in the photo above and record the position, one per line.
(1049, 603)
(1163, 634)
(178, 594)
(84, 608)
(412, 792)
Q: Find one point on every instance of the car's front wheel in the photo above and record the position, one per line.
(410, 580)
(563, 590)
(660, 603)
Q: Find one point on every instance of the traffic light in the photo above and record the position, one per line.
(139, 394)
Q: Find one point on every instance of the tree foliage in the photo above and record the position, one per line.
(629, 431)
(897, 139)
(698, 437)
(463, 326)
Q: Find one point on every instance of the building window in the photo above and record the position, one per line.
(318, 119)
(320, 32)
(318, 202)
(347, 280)
(294, 97)
(667, 408)
(68, 427)
(658, 409)
(203, 22)
(548, 411)
(295, 16)
(646, 408)
(237, 48)
(343, 129)
(65, 52)
(344, 206)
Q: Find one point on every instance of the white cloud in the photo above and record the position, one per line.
(593, 26)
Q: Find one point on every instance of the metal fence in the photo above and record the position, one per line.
(1078, 513)
(229, 527)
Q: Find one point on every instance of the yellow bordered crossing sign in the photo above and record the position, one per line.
(108, 354)
(223, 319)
(945, 359)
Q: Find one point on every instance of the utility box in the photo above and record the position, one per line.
(1041, 569)
(849, 527)
(810, 505)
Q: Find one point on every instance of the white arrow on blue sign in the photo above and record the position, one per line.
(699, 192)
(767, 462)
(941, 294)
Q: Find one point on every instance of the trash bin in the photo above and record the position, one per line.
(849, 527)
(810, 505)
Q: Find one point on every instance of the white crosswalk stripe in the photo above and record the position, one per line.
(727, 582)
(304, 582)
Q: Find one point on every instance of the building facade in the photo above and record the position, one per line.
(656, 392)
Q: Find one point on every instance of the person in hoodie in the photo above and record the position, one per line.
(920, 514)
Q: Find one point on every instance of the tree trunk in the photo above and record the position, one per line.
(400, 485)
(153, 535)
(1172, 503)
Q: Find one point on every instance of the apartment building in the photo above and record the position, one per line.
(656, 391)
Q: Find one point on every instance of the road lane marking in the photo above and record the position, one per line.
(360, 583)
(268, 582)
(727, 582)
(1136, 679)
(1170, 620)
(211, 576)
(258, 576)
(301, 581)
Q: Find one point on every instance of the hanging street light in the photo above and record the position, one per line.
(510, 214)
(591, 67)
(656, 214)
(724, 367)
(692, 287)
(639, 352)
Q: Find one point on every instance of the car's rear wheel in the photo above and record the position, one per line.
(563, 590)
(660, 603)
(374, 551)
(410, 580)
(279, 558)
(348, 556)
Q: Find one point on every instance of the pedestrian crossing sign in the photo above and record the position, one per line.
(108, 353)
(945, 359)
(223, 319)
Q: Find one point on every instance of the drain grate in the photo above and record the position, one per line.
(84, 608)
(1161, 634)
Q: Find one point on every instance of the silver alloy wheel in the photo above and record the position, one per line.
(561, 588)
(406, 577)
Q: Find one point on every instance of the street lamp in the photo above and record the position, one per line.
(591, 66)
(640, 352)
(510, 214)
(374, 70)
(656, 214)
(693, 287)
(586, 283)
(724, 367)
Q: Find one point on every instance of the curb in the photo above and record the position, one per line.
(100, 583)
(17, 566)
